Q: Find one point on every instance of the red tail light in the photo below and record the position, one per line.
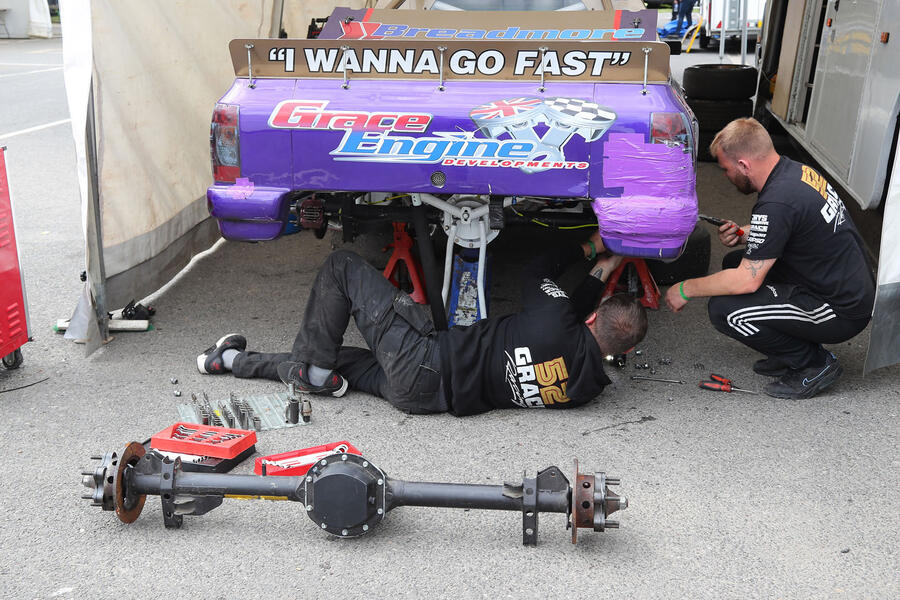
(225, 143)
(670, 128)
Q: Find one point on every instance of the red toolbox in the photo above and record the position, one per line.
(204, 440)
(298, 462)
(14, 330)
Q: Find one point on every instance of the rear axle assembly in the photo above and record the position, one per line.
(344, 494)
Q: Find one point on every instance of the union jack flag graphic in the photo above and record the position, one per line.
(505, 108)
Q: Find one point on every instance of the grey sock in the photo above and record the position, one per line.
(318, 375)
(228, 357)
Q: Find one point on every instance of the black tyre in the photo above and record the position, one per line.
(704, 40)
(720, 82)
(706, 138)
(693, 262)
(713, 115)
(13, 360)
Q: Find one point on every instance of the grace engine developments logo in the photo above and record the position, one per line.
(526, 133)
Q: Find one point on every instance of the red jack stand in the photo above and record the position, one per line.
(402, 245)
(650, 299)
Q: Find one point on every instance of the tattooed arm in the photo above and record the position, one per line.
(756, 267)
(745, 279)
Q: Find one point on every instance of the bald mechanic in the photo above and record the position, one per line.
(803, 278)
(549, 355)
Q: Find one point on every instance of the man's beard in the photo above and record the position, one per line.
(743, 184)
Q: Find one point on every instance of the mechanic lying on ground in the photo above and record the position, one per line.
(803, 279)
(545, 356)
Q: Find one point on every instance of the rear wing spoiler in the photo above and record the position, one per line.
(452, 60)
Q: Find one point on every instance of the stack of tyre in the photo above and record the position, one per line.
(718, 94)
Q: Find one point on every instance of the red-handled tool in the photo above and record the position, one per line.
(722, 384)
(719, 222)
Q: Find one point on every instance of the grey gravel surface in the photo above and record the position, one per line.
(732, 496)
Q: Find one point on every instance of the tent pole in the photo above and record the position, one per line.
(725, 10)
(277, 18)
(744, 32)
(96, 268)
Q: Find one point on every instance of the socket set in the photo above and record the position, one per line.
(203, 440)
(259, 413)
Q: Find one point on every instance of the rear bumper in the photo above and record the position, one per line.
(657, 208)
(646, 226)
(248, 213)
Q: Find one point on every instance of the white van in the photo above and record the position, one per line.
(712, 15)
(829, 78)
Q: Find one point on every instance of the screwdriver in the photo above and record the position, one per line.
(722, 384)
(639, 378)
(719, 222)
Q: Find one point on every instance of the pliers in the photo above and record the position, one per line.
(722, 384)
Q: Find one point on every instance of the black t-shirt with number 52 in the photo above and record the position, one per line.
(542, 357)
(800, 221)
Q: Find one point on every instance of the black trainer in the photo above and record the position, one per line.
(295, 372)
(211, 363)
(770, 367)
(806, 383)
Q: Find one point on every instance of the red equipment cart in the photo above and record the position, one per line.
(14, 330)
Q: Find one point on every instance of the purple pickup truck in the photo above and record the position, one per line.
(568, 117)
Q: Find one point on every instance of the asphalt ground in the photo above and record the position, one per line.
(732, 495)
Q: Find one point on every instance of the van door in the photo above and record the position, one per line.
(843, 64)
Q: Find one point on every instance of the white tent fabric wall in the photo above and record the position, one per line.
(39, 24)
(156, 71)
(24, 18)
(75, 18)
(297, 13)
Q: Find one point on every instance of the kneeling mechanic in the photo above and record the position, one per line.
(803, 279)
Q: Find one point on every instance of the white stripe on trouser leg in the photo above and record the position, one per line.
(823, 313)
(786, 317)
(742, 322)
(741, 319)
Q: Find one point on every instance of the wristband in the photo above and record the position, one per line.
(593, 254)
(681, 291)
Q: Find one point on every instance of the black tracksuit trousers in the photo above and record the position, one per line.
(402, 363)
(781, 320)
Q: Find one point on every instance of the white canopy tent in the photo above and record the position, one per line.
(25, 18)
(142, 79)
